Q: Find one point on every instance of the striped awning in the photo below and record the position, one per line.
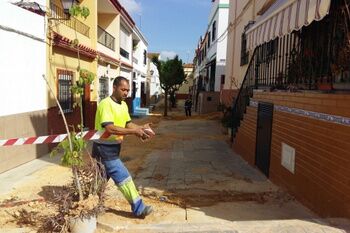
(283, 17)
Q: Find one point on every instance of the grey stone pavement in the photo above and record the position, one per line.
(215, 190)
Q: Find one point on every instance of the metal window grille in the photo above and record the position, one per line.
(103, 92)
(65, 96)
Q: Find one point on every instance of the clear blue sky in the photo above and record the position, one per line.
(170, 26)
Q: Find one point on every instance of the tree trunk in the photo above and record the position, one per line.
(166, 103)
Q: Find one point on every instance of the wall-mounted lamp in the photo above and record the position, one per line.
(67, 4)
(58, 14)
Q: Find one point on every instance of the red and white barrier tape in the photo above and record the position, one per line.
(87, 135)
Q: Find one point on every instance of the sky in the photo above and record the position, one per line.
(170, 26)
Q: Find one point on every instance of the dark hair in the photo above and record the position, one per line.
(118, 80)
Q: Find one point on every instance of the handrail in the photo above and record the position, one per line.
(236, 114)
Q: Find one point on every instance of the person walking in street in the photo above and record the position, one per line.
(112, 115)
(188, 106)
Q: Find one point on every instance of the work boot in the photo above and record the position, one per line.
(147, 211)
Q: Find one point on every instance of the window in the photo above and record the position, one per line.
(124, 53)
(125, 42)
(222, 79)
(144, 57)
(213, 31)
(65, 96)
(244, 52)
(103, 91)
(208, 39)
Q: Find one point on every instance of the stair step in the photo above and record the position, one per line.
(141, 111)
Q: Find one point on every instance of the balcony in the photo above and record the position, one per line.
(105, 38)
(57, 13)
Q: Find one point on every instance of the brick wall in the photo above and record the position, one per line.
(336, 104)
(322, 162)
(322, 149)
(244, 142)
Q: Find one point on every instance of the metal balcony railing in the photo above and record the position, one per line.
(58, 13)
(105, 38)
(296, 62)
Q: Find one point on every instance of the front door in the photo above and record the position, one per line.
(263, 137)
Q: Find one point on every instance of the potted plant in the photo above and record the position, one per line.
(82, 200)
(227, 120)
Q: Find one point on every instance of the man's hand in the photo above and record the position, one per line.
(147, 129)
(139, 132)
(142, 131)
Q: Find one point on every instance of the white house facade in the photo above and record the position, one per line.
(217, 44)
(23, 111)
(139, 63)
(210, 59)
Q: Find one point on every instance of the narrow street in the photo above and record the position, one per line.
(197, 183)
(191, 177)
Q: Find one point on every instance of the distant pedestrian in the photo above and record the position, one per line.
(188, 106)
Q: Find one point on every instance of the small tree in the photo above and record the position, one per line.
(171, 76)
(89, 179)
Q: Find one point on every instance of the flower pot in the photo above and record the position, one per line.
(79, 225)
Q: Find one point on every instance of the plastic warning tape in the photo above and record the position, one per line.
(86, 135)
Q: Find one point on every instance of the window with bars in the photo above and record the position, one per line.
(65, 96)
(103, 92)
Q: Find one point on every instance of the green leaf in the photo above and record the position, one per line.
(85, 12)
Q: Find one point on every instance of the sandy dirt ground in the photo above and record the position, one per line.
(31, 202)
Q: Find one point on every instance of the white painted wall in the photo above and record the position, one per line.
(155, 88)
(139, 52)
(139, 68)
(22, 61)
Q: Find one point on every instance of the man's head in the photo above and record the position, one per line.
(121, 88)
